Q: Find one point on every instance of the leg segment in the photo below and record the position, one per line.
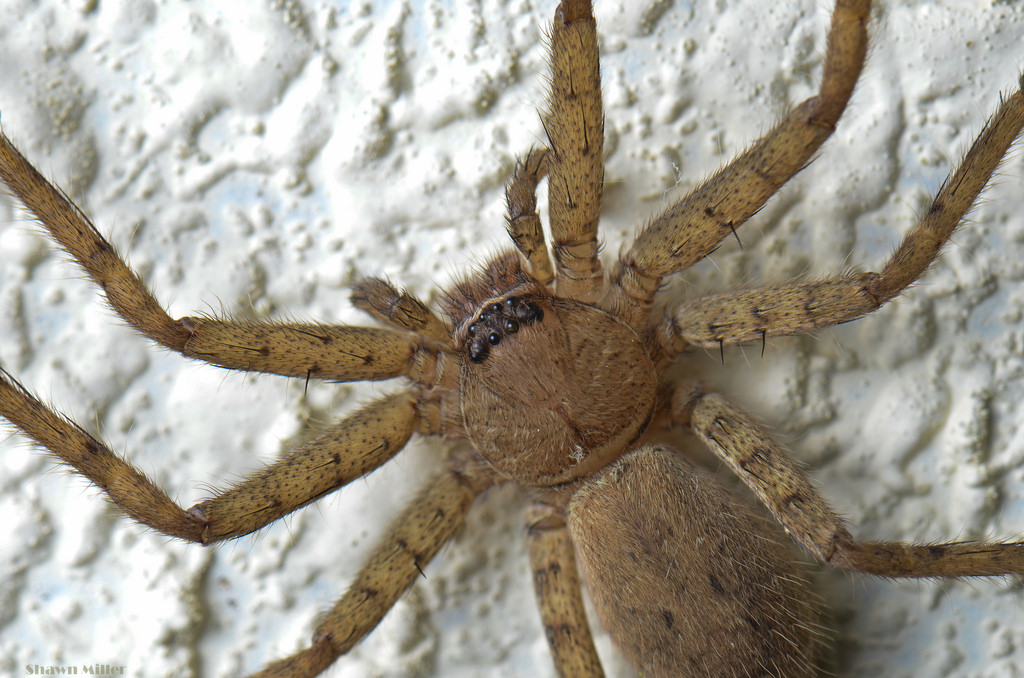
(398, 309)
(291, 349)
(309, 350)
(348, 450)
(782, 486)
(522, 220)
(76, 234)
(689, 230)
(412, 542)
(737, 317)
(574, 126)
(135, 494)
(559, 596)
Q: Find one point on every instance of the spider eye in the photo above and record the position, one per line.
(531, 314)
(477, 351)
(511, 326)
(494, 338)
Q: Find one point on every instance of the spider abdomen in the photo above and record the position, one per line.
(688, 581)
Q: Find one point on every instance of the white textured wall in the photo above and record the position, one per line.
(258, 159)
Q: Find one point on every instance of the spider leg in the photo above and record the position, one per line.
(736, 317)
(347, 450)
(574, 125)
(781, 485)
(290, 349)
(556, 583)
(522, 220)
(689, 230)
(413, 540)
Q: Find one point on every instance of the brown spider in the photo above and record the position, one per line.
(519, 311)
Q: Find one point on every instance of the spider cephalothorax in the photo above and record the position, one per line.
(536, 401)
(553, 372)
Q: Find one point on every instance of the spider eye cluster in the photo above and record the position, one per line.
(498, 320)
